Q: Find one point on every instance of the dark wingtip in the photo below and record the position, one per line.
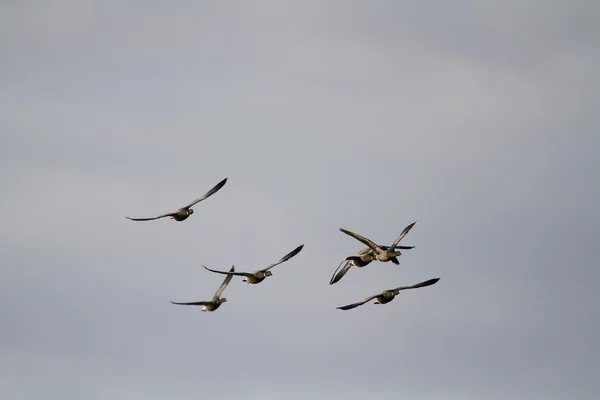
(431, 281)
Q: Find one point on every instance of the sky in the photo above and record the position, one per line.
(478, 120)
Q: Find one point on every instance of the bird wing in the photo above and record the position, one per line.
(339, 275)
(246, 274)
(398, 247)
(428, 282)
(153, 218)
(285, 258)
(404, 232)
(360, 303)
(195, 303)
(209, 193)
(224, 284)
(362, 239)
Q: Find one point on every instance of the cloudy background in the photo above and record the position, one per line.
(476, 119)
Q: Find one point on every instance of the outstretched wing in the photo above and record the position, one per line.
(339, 275)
(195, 303)
(428, 282)
(209, 193)
(360, 303)
(224, 284)
(285, 258)
(246, 274)
(404, 232)
(398, 247)
(362, 239)
(153, 218)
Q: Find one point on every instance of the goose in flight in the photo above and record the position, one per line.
(186, 211)
(361, 259)
(388, 295)
(260, 275)
(216, 301)
(382, 253)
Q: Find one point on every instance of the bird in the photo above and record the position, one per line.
(382, 253)
(216, 301)
(388, 295)
(260, 275)
(184, 212)
(361, 259)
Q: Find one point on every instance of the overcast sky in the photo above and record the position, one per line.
(478, 120)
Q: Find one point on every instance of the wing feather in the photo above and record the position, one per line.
(428, 282)
(209, 193)
(246, 274)
(360, 303)
(195, 303)
(153, 218)
(404, 232)
(339, 275)
(362, 239)
(224, 284)
(285, 258)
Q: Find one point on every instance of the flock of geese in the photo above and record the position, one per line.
(373, 252)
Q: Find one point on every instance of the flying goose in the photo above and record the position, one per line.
(388, 295)
(216, 301)
(186, 211)
(361, 259)
(260, 275)
(382, 253)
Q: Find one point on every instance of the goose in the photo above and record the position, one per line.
(361, 259)
(260, 275)
(216, 301)
(382, 253)
(388, 295)
(184, 212)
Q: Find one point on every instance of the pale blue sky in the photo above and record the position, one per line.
(477, 119)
